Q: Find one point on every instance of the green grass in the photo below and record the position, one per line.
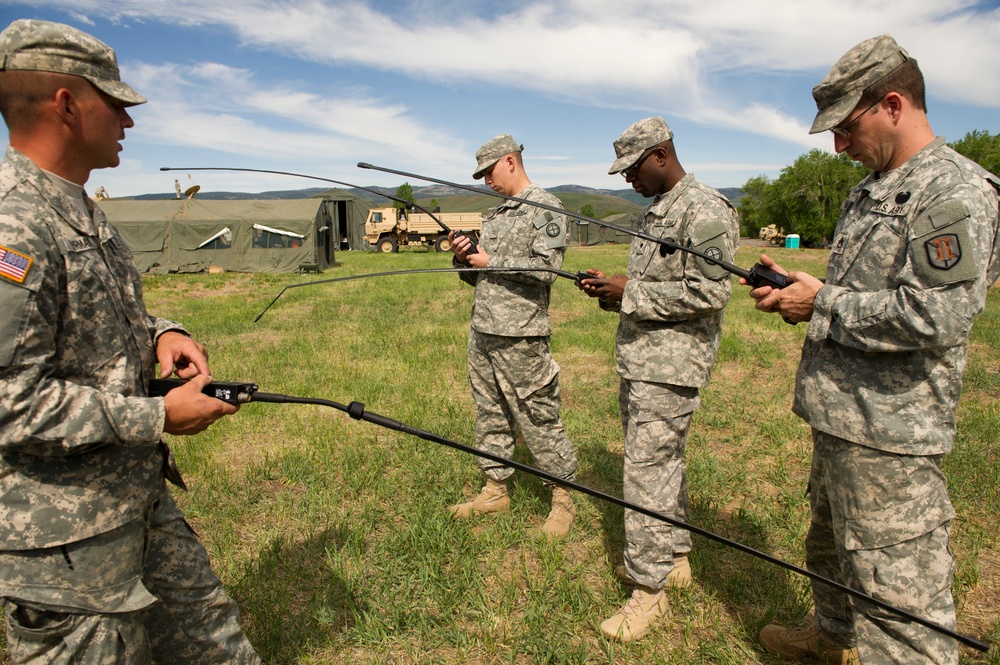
(333, 534)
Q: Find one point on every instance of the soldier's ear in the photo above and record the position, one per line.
(66, 106)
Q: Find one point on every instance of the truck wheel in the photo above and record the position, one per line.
(442, 244)
(387, 245)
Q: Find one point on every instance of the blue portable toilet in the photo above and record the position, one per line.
(792, 241)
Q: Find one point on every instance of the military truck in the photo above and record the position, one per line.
(388, 229)
(773, 235)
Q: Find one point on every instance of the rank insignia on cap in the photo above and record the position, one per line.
(552, 229)
(944, 251)
(14, 265)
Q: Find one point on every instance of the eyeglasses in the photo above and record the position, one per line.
(631, 171)
(844, 131)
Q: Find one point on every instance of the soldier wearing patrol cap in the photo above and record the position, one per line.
(670, 308)
(913, 254)
(514, 378)
(97, 564)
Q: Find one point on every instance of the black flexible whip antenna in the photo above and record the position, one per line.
(561, 273)
(411, 205)
(241, 393)
(757, 276)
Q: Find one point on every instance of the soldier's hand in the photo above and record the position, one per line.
(176, 351)
(478, 260)
(190, 411)
(589, 286)
(606, 289)
(460, 246)
(795, 301)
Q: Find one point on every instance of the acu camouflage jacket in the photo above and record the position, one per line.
(913, 254)
(79, 451)
(671, 310)
(518, 235)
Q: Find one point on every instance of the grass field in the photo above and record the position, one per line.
(333, 534)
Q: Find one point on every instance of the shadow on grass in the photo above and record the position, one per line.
(755, 592)
(291, 598)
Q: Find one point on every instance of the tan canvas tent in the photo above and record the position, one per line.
(191, 235)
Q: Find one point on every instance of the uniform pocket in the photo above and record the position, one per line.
(91, 319)
(896, 554)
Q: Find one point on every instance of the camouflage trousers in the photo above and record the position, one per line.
(655, 420)
(140, 593)
(515, 384)
(880, 524)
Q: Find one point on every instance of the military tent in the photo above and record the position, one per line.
(582, 232)
(349, 213)
(191, 235)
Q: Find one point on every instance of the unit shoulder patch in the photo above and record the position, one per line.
(944, 251)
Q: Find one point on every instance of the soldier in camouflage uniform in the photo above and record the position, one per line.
(913, 254)
(97, 564)
(671, 308)
(514, 378)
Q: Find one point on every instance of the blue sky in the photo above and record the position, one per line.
(315, 86)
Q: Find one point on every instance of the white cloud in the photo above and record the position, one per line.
(216, 107)
(669, 54)
(722, 64)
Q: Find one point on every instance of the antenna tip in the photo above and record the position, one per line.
(164, 168)
(364, 165)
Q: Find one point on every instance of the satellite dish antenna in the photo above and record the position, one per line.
(191, 191)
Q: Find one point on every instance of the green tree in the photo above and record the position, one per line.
(588, 210)
(981, 147)
(755, 206)
(805, 199)
(404, 191)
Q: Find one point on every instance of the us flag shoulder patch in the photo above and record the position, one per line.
(14, 265)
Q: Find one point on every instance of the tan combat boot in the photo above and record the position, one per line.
(562, 514)
(811, 645)
(678, 578)
(639, 614)
(491, 499)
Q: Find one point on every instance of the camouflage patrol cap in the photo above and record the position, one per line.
(840, 91)
(491, 152)
(43, 46)
(637, 139)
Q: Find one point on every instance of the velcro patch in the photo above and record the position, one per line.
(14, 265)
(945, 256)
(717, 249)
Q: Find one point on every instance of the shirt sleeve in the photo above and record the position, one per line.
(702, 287)
(548, 246)
(84, 402)
(941, 285)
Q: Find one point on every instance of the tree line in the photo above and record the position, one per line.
(806, 197)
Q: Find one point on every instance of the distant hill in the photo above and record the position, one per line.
(452, 199)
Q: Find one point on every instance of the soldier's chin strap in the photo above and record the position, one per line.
(576, 277)
(241, 393)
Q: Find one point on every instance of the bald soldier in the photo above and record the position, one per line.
(514, 378)
(913, 254)
(97, 564)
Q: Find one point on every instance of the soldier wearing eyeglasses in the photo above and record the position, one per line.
(670, 308)
(914, 251)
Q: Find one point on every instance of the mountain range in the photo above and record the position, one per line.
(453, 199)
